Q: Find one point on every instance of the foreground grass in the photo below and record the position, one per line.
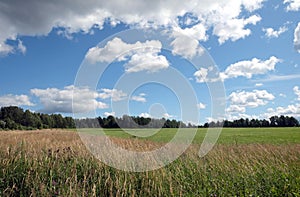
(56, 163)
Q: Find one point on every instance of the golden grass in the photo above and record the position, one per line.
(59, 164)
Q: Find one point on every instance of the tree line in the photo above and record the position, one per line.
(129, 122)
(274, 121)
(15, 118)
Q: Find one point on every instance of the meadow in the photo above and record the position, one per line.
(244, 162)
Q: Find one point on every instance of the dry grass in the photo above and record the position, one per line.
(55, 162)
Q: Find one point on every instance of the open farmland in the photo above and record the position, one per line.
(245, 162)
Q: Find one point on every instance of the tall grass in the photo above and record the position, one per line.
(56, 163)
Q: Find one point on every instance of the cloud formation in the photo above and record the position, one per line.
(113, 94)
(297, 38)
(225, 17)
(245, 68)
(15, 100)
(250, 99)
(143, 56)
(186, 40)
(293, 5)
(139, 98)
(248, 68)
(68, 100)
(271, 33)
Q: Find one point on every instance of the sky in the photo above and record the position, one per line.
(194, 61)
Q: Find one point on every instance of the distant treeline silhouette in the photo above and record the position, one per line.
(13, 118)
(274, 121)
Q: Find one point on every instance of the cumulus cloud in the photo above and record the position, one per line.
(56, 100)
(290, 110)
(245, 68)
(259, 84)
(234, 28)
(248, 68)
(240, 101)
(186, 41)
(15, 100)
(297, 38)
(201, 106)
(225, 17)
(250, 99)
(142, 55)
(120, 50)
(139, 98)
(293, 5)
(271, 33)
(236, 109)
(206, 75)
(148, 61)
(114, 94)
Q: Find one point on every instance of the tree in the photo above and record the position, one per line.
(29, 120)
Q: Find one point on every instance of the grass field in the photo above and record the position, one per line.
(228, 135)
(245, 162)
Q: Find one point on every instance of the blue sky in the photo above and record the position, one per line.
(125, 55)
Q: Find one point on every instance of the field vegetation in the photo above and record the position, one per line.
(245, 162)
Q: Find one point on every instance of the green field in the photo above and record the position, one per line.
(244, 162)
(228, 135)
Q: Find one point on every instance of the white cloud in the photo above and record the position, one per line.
(15, 100)
(293, 5)
(186, 46)
(297, 38)
(259, 84)
(236, 109)
(290, 110)
(271, 33)
(233, 28)
(241, 115)
(148, 61)
(167, 116)
(145, 115)
(252, 5)
(224, 16)
(250, 99)
(143, 56)
(201, 106)
(205, 75)
(117, 49)
(139, 98)
(60, 100)
(186, 41)
(114, 94)
(248, 68)
(297, 92)
(109, 114)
